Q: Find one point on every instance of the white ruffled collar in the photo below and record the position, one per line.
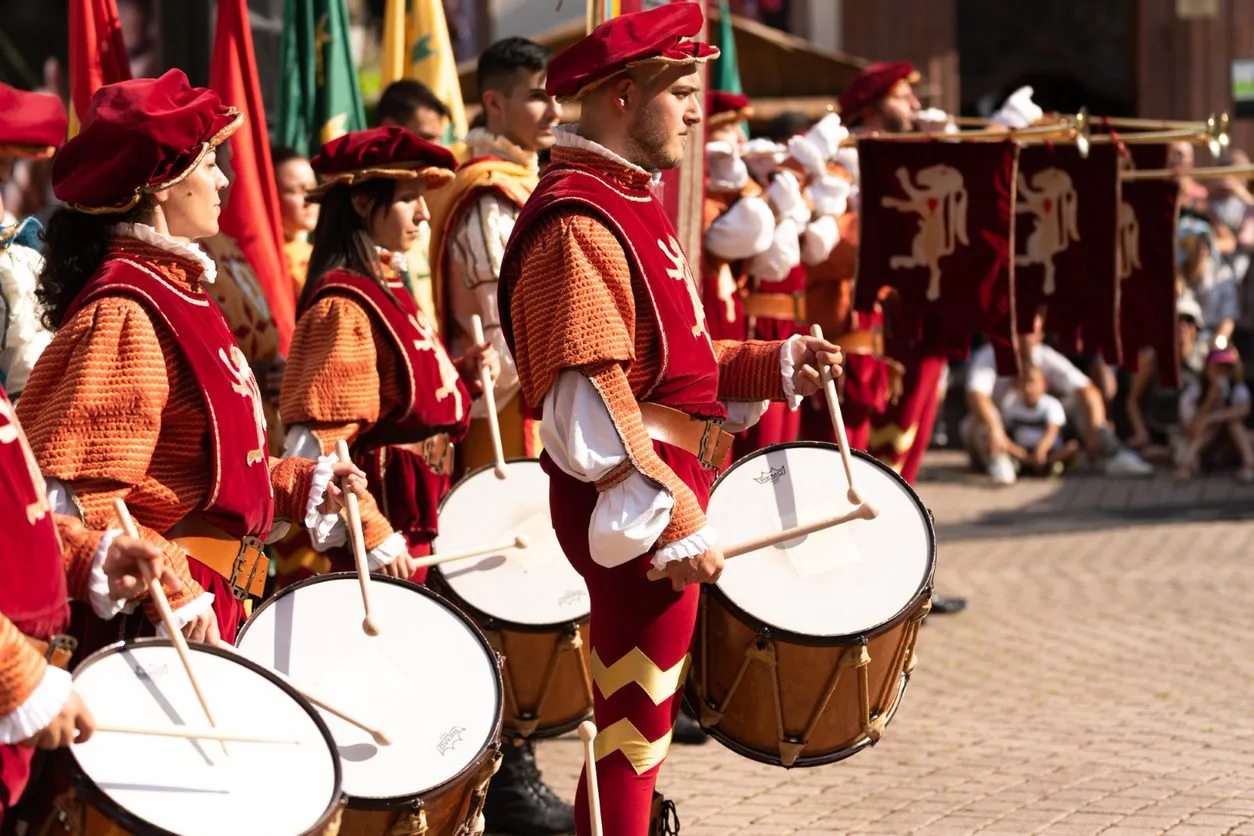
(568, 137)
(484, 143)
(183, 249)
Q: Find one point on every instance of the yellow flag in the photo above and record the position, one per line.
(421, 49)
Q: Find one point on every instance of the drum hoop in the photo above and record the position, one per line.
(393, 802)
(492, 622)
(925, 586)
(692, 699)
(131, 821)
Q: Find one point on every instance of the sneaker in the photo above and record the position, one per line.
(1127, 463)
(1002, 470)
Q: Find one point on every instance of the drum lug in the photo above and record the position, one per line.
(789, 751)
(412, 822)
(710, 715)
(525, 723)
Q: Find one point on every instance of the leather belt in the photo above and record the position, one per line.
(705, 439)
(786, 306)
(436, 452)
(57, 650)
(242, 562)
(861, 342)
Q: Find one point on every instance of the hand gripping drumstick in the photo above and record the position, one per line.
(863, 512)
(379, 737)
(519, 542)
(489, 400)
(194, 734)
(163, 607)
(588, 733)
(368, 625)
(838, 420)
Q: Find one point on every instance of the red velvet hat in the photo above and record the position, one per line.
(389, 152)
(138, 137)
(662, 35)
(726, 108)
(32, 125)
(874, 83)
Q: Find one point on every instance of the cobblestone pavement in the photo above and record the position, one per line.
(1101, 681)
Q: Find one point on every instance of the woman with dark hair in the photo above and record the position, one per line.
(143, 394)
(365, 364)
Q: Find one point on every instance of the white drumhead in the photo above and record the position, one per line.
(427, 680)
(840, 581)
(533, 586)
(192, 787)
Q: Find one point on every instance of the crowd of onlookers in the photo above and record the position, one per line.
(1068, 411)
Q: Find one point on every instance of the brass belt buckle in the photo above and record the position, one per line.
(241, 591)
(60, 642)
(709, 444)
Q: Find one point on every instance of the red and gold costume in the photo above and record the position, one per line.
(605, 322)
(143, 394)
(471, 221)
(366, 367)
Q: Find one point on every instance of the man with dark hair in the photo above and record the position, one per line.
(410, 104)
(471, 221)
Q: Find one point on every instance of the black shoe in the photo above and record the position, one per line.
(663, 820)
(688, 730)
(947, 606)
(519, 803)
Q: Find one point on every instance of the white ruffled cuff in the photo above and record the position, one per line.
(39, 709)
(387, 551)
(102, 603)
(189, 612)
(788, 361)
(325, 530)
(627, 520)
(741, 415)
(691, 546)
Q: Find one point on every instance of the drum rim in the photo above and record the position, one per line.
(693, 701)
(925, 585)
(132, 821)
(470, 609)
(392, 802)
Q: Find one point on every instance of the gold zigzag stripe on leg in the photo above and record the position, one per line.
(643, 754)
(900, 440)
(636, 667)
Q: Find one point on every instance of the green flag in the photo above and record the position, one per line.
(319, 96)
(726, 75)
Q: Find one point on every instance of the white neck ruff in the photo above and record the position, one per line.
(184, 249)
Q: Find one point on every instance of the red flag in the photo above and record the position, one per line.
(936, 226)
(97, 53)
(251, 215)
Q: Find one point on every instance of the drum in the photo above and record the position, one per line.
(802, 651)
(428, 681)
(133, 783)
(530, 603)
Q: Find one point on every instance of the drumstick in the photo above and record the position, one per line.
(489, 400)
(194, 734)
(838, 420)
(163, 607)
(358, 539)
(588, 734)
(519, 542)
(378, 736)
(865, 511)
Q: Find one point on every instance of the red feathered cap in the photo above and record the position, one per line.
(726, 108)
(874, 83)
(32, 125)
(139, 136)
(389, 152)
(660, 35)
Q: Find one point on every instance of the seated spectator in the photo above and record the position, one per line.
(1034, 420)
(1209, 280)
(1153, 409)
(1213, 411)
(985, 436)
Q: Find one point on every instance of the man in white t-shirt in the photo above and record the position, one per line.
(1034, 420)
(985, 435)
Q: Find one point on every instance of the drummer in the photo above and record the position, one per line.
(365, 365)
(46, 558)
(613, 376)
(143, 394)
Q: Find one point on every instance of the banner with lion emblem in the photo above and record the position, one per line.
(1149, 216)
(936, 220)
